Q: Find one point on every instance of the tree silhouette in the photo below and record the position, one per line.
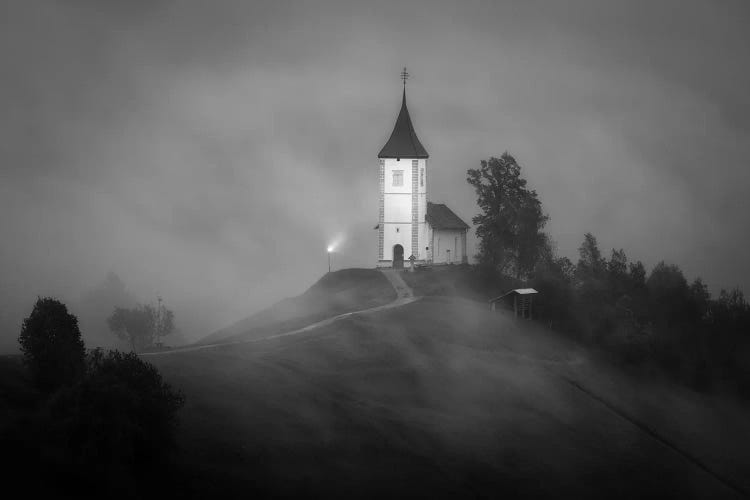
(143, 325)
(511, 222)
(52, 345)
(121, 412)
(135, 325)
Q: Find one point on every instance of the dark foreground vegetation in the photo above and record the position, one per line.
(641, 318)
(82, 424)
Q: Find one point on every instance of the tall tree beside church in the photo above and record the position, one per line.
(510, 225)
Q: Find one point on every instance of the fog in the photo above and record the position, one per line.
(211, 151)
(384, 400)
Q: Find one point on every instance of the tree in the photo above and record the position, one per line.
(51, 344)
(121, 413)
(590, 273)
(134, 325)
(511, 222)
(164, 322)
(669, 295)
(617, 270)
(637, 274)
(638, 291)
(591, 264)
(96, 304)
(596, 307)
(142, 325)
(553, 275)
(700, 299)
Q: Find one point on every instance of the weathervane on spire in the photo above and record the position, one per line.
(404, 76)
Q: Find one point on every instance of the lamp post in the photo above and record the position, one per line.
(330, 251)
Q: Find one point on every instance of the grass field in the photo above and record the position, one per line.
(335, 293)
(443, 398)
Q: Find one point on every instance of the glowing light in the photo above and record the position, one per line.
(335, 243)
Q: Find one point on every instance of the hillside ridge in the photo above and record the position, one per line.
(403, 295)
(386, 398)
(334, 293)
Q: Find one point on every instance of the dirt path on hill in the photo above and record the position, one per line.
(404, 295)
(397, 282)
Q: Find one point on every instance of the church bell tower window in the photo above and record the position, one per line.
(398, 177)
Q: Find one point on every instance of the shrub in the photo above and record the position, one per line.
(121, 413)
(51, 344)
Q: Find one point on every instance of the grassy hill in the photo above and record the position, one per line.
(440, 398)
(335, 293)
(437, 398)
(458, 281)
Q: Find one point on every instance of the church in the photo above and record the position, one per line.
(410, 227)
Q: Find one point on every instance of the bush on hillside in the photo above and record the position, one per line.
(121, 413)
(52, 346)
(554, 275)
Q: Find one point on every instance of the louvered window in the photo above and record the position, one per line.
(398, 177)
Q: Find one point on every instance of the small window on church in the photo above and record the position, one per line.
(398, 177)
(421, 177)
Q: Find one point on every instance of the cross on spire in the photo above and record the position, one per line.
(404, 76)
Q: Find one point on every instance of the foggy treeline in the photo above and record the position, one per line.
(655, 318)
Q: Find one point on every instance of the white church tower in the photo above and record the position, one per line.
(403, 194)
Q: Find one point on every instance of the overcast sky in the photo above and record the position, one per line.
(209, 151)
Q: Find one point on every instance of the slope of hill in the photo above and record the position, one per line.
(440, 398)
(335, 293)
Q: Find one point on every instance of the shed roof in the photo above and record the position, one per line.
(403, 142)
(516, 291)
(440, 216)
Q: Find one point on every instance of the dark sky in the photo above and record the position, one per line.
(209, 151)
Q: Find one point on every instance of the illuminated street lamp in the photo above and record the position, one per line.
(330, 251)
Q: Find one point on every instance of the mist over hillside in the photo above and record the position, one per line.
(221, 277)
(335, 293)
(445, 398)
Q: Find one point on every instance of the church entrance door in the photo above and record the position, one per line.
(398, 257)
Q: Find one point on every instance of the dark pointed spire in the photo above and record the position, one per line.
(403, 142)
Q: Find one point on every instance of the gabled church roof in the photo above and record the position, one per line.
(441, 217)
(403, 142)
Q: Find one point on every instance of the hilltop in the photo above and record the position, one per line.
(439, 397)
(335, 293)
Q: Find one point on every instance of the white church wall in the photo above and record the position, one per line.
(424, 240)
(397, 208)
(402, 165)
(428, 242)
(421, 252)
(396, 234)
(444, 240)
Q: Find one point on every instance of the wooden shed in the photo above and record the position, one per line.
(520, 298)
